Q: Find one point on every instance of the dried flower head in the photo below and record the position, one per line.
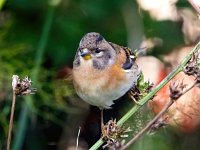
(22, 87)
(140, 89)
(134, 93)
(192, 66)
(176, 90)
(114, 134)
(113, 145)
(161, 122)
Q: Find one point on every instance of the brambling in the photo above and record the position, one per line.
(103, 71)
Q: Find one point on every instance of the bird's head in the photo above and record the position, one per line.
(95, 51)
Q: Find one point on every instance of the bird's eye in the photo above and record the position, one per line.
(97, 50)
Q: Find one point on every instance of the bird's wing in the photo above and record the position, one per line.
(126, 56)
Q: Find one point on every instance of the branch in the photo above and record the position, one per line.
(151, 94)
(19, 88)
(155, 119)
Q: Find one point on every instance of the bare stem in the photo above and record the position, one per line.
(148, 126)
(189, 88)
(11, 121)
(155, 119)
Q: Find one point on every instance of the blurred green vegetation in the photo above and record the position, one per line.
(40, 39)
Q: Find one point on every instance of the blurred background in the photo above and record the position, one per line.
(40, 38)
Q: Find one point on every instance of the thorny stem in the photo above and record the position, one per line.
(155, 119)
(145, 99)
(11, 121)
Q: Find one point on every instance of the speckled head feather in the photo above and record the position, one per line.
(90, 40)
(95, 51)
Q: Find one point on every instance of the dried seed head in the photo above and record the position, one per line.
(113, 145)
(176, 90)
(23, 87)
(150, 87)
(140, 90)
(135, 93)
(192, 66)
(113, 134)
(15, 81)
(161, 122)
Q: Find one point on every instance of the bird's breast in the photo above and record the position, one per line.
(101, 87)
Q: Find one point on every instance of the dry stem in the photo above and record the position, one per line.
(149, 125)
(11, 121)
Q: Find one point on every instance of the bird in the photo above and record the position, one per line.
(103, 71)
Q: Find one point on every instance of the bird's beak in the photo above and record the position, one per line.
(85, 53)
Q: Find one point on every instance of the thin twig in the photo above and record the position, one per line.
(77, 139)
(155, 119)
(189, 88)
(148, 126)
(11, 121)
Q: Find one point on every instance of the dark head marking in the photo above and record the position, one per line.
(99, 39)
(129, 61)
